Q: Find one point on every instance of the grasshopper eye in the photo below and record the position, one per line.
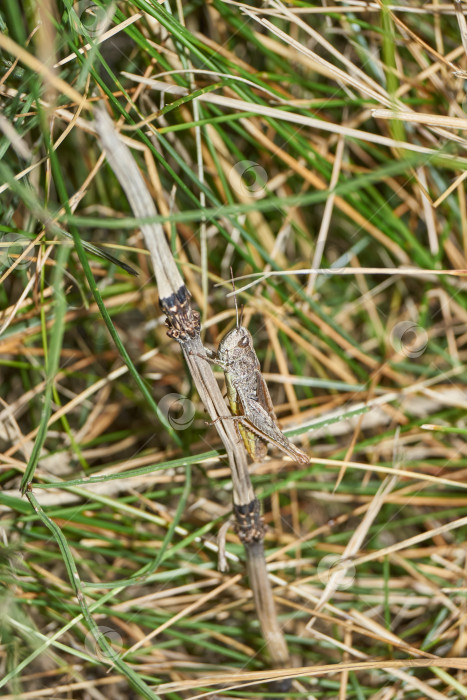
(243, 342)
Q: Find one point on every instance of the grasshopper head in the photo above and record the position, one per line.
(235, 344)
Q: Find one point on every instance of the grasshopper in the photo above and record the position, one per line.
(248, 395)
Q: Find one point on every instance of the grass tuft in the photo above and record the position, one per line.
(320, 136)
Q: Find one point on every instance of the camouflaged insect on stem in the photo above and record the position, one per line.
(249, 398)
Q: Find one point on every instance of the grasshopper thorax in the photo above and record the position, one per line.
(236, 345)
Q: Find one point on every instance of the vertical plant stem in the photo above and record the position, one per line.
(184, 325)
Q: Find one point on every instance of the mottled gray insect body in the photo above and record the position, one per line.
(249, 398)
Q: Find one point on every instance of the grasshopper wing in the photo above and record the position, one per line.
(257, 420)
(264, 398)
(263, 395)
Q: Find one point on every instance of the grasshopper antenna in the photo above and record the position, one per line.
(235, 297)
